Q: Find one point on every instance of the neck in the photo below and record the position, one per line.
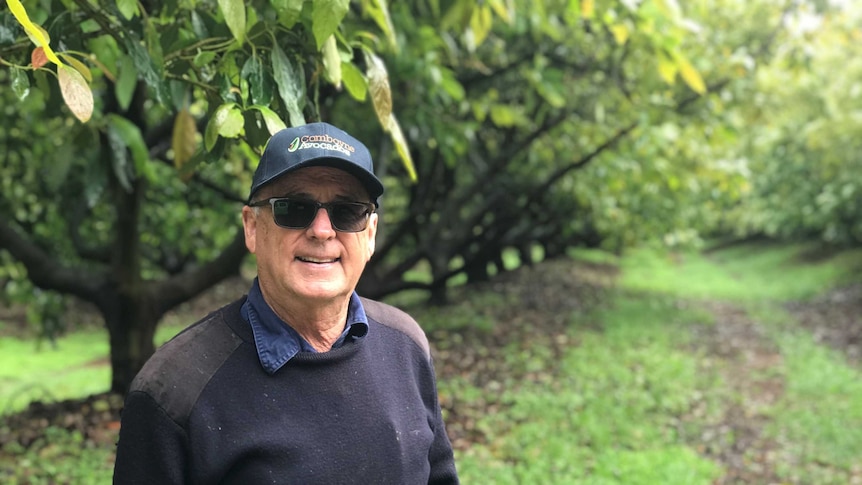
(319, 324)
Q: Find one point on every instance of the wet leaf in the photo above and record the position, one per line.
(226, 121)
(273, 123)
(332, 61)
(76, 92)
(379, 12)
(354, 81)
(402, 147)
(259, 81)
(20, 83)
(378, 86)
(290, 79)
(325, 18)
(234, 17)
(129, 135)
(79, 66)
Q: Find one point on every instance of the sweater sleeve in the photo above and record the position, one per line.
(152, 448)
(440, 456)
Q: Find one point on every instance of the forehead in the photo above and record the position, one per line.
(313, 180)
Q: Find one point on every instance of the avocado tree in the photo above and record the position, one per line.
(555, 124)
(805, 126)
(133, 207)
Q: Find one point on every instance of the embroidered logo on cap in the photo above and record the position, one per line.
(324, 142)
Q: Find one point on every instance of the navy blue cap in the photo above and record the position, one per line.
(315, 145)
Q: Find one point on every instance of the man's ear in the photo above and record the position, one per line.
(372, 234)
(249, 226)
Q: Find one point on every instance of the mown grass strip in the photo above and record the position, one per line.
(609, 414)
(76, 365)
(819, 417)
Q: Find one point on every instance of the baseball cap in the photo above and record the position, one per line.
(315, 145)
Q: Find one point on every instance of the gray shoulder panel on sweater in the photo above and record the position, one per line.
(397, 319)
(179, 370)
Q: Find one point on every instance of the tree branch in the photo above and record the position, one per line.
(188, 284)
(46, 272)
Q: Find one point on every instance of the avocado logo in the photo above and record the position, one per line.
(293, 145)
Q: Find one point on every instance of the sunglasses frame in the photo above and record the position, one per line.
(370, 208)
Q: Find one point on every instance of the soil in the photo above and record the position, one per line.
(736, 347)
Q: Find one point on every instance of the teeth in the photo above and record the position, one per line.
(307, 259)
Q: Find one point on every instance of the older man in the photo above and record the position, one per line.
(302, 381)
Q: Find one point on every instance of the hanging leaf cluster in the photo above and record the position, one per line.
(224, 72)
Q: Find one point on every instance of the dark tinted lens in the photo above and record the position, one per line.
(348, 216)
(296, 214)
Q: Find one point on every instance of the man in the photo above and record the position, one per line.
(302, 381)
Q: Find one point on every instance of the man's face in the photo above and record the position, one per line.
(297, 267)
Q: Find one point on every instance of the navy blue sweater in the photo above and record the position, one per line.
(203, 410)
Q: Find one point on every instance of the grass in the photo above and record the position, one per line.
(746, 273)
(819, 418)
(74, 366)
(39, 371)
(609, 415)
(609, 410)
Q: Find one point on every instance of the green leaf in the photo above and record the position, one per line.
(480, 23)
(20, 83)
(379, 12)
(127, 79)
(226, 121)
(504, 116)
(234, 17)
(458, 15)
(130, 136)
(273, 123)
(258, 80)
(179, 95)
(128, 8)
(394, 129)
(501, 9)
(325, 18)
(332, 61)
(289, 11)
(145, 66)
(450, 84)
(199, 27)
(120, 159)
(354, 81)
(290, 80)
(231, 125)
(203, 58)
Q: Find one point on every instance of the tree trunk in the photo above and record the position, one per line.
(131, 326)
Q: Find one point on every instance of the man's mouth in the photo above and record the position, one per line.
(309, 259)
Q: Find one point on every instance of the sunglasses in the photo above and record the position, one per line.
(299, 213)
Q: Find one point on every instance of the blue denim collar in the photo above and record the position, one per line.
(277, 342)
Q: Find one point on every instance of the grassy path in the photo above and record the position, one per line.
(690, 370)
